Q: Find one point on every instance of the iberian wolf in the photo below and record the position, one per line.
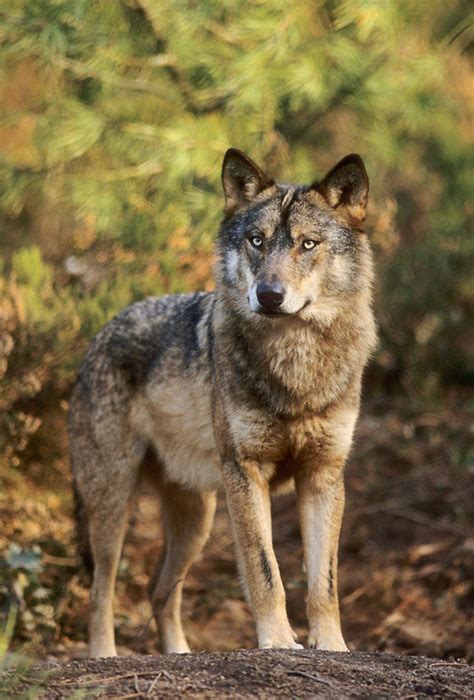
(255, 386)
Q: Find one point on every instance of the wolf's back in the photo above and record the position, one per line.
(144, 336)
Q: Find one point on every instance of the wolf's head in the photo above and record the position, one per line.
(293, 251)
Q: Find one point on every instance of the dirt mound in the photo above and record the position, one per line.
(243, 674)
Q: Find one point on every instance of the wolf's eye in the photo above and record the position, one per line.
(256, 241)
(308, 244)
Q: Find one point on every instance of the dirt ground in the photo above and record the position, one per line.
(244, 674)
(406, 574)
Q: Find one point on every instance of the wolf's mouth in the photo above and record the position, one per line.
(276, 313)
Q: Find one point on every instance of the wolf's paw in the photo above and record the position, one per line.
(173, 640)
(334, 643)
(277, 634)
(176, 647)
(280, 645)
(181, 649)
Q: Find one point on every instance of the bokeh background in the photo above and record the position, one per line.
(114, 118)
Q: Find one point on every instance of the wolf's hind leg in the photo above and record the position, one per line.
(106, 532)
(187, 520)
(105, 487)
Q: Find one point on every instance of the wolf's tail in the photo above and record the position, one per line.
(82, 530)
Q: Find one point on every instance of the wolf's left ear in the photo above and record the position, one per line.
(346, 186)
(242, 180)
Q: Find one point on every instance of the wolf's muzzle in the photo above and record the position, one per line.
(270, 296)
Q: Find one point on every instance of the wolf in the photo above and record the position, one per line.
(255, 386)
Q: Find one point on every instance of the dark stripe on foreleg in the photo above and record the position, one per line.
(331, 577)
(266, 568)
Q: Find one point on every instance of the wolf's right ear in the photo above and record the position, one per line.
(242, 181)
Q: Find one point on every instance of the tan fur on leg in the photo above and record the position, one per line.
(106, 534)
(320, 506)
(248, 501)
(187, 519)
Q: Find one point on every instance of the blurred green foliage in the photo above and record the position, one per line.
(114, 119)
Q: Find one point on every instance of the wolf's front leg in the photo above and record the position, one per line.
(320, 505)
(248, 500)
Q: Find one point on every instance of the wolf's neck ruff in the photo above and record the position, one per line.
(292, 366)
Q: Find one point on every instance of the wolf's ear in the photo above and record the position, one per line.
(346, 186)
(242, 180)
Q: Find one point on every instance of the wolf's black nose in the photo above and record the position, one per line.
(270, 296)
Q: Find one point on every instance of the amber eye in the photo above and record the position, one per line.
(256, 241)
(309, 244)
